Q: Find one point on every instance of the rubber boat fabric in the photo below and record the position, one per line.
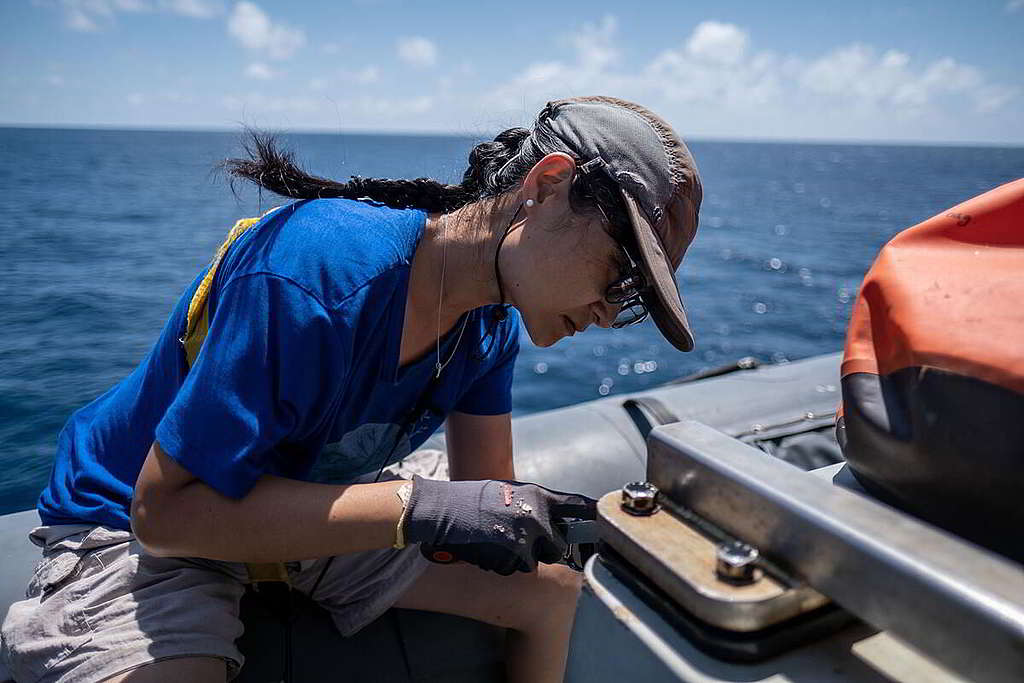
(933, 372)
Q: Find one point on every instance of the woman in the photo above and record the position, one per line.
(342, 329)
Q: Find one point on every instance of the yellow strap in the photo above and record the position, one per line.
(267, 572)
(198, 322)
(197, 325)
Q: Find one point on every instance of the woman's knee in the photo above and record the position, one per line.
(553, 597)
(562, 581)
(524, 602)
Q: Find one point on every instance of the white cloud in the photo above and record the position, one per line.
(717, 76)
(857, 74)
(80, 21)
(368, 74)
(856, 71)
(199, 9)
(364, 76)
(358, 111)
(127, 5)
(946, 74)
(91, 15)
(250, 26)
(388, 108)
(542, 73)
(592, 69)
(257, 101)
(715, 42)
(417, 51)
(259, 71)
(1014, 6)
(595, 44)
(175, 97)
(419, 105)
(86, 15)
(711, 67)
(993, 97)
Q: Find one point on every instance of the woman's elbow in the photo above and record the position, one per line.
(151, 528)
(157, 501)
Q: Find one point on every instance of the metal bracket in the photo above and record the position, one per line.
(959, 604)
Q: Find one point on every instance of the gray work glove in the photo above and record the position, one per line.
(501, 526)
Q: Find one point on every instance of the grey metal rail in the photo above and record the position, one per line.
(957, 603)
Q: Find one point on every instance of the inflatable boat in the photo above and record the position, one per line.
(759, 561)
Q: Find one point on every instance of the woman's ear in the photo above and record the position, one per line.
(550, 177)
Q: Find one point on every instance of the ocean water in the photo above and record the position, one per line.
(101, 231)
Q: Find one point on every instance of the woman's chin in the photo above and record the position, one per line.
(546, 338)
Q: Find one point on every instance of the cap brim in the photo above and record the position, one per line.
(663, 299)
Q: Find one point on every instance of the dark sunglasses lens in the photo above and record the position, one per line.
(617, 293)
(632, 312)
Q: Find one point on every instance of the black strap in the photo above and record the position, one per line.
(640, 408)
(423, 404)
(745, 363)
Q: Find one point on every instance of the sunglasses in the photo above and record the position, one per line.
(626, 293)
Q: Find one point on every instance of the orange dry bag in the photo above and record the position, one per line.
(933, 372)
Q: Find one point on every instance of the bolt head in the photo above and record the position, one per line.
(640, 498)
(737, 562)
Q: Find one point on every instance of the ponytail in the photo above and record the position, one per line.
(495, 167)
(274, 169)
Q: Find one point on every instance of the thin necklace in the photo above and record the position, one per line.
(438, 365)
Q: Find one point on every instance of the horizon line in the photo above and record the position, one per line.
(451, 134)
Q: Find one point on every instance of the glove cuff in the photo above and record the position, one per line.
(426, 507)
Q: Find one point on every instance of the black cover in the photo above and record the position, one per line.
(942, 446)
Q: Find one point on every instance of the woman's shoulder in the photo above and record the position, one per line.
(347, 224)
(335, 247)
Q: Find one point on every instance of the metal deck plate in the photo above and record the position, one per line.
(681, 561)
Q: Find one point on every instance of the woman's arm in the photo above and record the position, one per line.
(280, 520)
(479, 447)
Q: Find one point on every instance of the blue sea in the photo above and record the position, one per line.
(102, 230)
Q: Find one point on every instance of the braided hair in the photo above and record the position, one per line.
(495, 167)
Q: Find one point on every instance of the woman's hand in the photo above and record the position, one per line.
(501, 526)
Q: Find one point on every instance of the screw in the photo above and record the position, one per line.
(737, 562)
(640, 498)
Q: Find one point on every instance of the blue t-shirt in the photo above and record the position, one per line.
(298, 375)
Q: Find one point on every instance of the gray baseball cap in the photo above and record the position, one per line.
(659, 183)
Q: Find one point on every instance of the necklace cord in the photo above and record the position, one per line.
(440, 292)
(497, 265)
(438, 365)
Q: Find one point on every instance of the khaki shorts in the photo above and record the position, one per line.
(98, 605)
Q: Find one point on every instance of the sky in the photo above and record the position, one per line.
(886, 70)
